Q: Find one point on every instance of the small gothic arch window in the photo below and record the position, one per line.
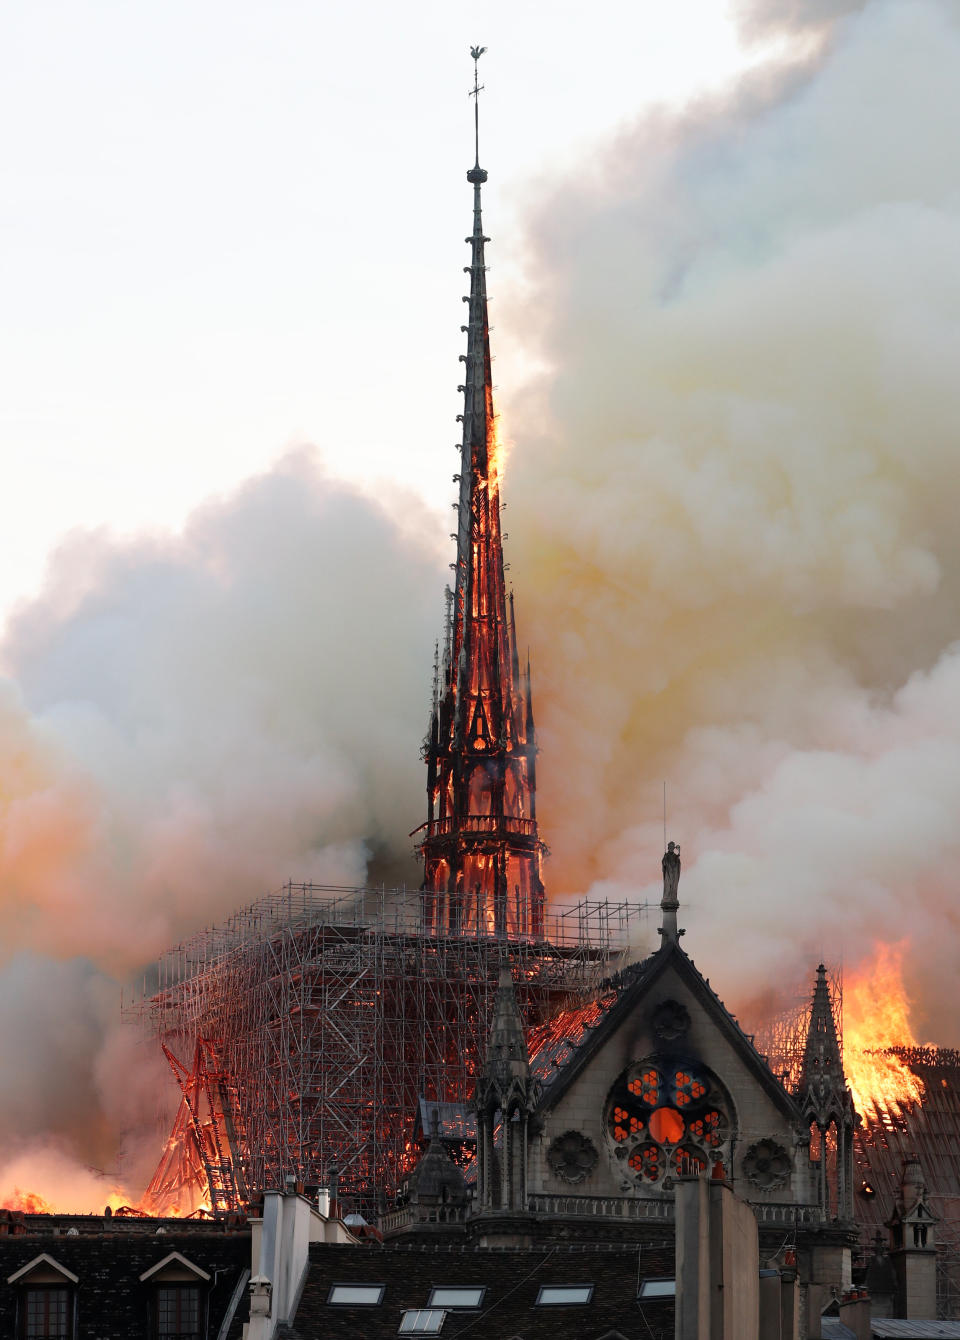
(481, 790)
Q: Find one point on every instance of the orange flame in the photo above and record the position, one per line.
(30, 1202)
(876, 1017)
(496, 453)
(27, 1202)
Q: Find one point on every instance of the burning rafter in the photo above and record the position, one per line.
(199, 1168)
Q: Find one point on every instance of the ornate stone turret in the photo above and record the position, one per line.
(827, 1104)
(480, 845)
(913, 1246)
(436, 1190)
(505, 1094)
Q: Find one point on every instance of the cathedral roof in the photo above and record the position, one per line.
(561, 1049)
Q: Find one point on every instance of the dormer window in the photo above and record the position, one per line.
(47, 1300)
(178, 1312)
(47, 1313)
(179, 1303)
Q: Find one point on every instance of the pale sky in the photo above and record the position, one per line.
(232, 227)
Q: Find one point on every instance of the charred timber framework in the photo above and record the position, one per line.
(318, 1016)
(480, 845)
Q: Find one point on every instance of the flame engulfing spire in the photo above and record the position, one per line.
(481, 850)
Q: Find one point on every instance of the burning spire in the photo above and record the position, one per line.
(481, 849)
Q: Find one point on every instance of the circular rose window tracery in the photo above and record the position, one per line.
(665, 1118)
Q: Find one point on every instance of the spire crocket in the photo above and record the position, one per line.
(481, 849)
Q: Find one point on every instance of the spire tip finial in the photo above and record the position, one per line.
(476, 175)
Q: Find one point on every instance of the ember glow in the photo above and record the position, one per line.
(496, 455)
(27, 1202)
(876, 1017)
(48, 1181)
(31, 1202)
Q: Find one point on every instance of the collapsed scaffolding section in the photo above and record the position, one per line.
(320, 1017)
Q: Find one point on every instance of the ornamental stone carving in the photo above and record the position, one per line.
(670, 1020)
(767, 1165)
(572, 1156)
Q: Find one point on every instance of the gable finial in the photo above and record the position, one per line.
(670, 900)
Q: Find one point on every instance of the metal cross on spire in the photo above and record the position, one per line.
(476, 53)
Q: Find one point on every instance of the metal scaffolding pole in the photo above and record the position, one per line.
(322, 1015)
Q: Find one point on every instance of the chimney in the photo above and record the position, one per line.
(855, 1312)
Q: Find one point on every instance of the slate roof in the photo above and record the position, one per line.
(112, 1303)
(891, 1328)
(454, 1122)
(930, 1129)
(512, 1278)
(562, 1047)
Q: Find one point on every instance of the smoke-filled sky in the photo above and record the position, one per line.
(727, 329)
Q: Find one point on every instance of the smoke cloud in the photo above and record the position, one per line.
(736, 562)
(764, 18)
(738, 559)
(189, 721)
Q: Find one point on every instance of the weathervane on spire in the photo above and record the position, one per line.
(476, 53)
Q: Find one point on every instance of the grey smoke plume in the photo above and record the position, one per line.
(196, 719)
(738, 555)
(735, 553)
(763, 18)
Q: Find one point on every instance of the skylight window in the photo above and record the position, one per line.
(356, 1295)
(659, 1288)
(556, 1295)
(457, 1296)
(422, 1321)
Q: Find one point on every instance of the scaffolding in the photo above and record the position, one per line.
(782, 1037)
(321, 1015)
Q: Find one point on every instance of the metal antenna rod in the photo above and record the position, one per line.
(476, 53)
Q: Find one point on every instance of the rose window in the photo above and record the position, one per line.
(667, 1118)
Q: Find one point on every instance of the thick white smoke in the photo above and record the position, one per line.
(733, 540)
(196, 719)
(738, 558)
